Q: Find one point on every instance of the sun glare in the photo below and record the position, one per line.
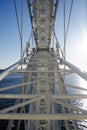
(80, 51)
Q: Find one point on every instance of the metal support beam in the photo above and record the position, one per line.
(66, 116)
(30, 96)
(8, 70)
(16, 106)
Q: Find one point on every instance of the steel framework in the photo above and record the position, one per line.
(47, 106)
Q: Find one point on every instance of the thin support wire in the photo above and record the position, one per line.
(66, 28)
(69, 19)
(64, 11)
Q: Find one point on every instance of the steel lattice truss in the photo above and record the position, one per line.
(43, 102)
(42, 14)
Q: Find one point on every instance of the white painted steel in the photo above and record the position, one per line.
(43, 89)
(8, 71)
(43, 116)
(27, 96)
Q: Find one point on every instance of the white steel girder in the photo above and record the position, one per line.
(47, 103)
(42, 99)
(42, 19)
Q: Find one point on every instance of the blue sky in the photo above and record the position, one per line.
(76, 44)
(9, 36)
(76, 40)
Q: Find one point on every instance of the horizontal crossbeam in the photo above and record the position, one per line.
(27, 96)
(16, 106)
(17, 116)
